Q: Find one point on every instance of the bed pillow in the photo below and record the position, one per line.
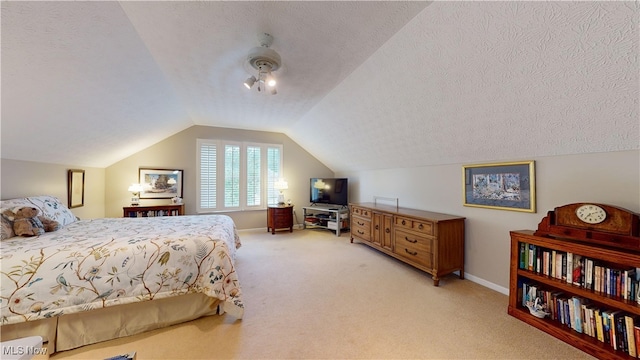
(6, 228)
(50, 207)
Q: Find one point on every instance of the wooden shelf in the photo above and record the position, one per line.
(155, 210)
(581, 341)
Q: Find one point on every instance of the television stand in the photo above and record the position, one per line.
(326, 217)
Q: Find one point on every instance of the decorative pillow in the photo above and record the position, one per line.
(52, 208)
(49, 206)
(6, 228)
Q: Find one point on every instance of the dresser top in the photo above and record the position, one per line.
(423, 214)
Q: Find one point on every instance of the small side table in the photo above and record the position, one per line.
(279, 217)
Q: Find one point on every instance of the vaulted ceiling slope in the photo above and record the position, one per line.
(365, 85)
(90, 83)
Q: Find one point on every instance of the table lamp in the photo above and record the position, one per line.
(281, 185)
(135, 189)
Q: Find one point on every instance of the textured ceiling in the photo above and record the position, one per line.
(365, 85)
(468, 82)
(101, 80)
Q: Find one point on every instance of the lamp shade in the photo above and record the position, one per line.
(135, 188)
(281, 185)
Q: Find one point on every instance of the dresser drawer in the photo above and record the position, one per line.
(425, 227)
(361, 228)
(413, 247)
(365, 213)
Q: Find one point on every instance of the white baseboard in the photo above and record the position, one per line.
(485, 283)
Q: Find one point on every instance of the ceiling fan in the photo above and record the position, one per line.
(266, 61)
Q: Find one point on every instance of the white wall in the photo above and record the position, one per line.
(610, 178)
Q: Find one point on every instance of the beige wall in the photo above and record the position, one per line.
(179, 152)
(609, 178)
(27, 178)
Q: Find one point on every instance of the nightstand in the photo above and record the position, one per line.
(279, 217)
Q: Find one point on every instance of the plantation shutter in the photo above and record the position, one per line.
(208, 176)
(274, 173)
(231, 176)
(253, 176)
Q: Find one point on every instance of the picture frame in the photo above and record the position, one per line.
(75, 188)
(160, 183)
(503, 186)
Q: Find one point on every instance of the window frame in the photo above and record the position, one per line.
(266, 186)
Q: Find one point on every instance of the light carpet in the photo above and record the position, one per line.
(312, 295)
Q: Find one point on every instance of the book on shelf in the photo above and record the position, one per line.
(629, 321)
(577, 270)
(589, 265)
(606, 322)
(569, 276)
(576, 313)
(636, 334)
(599, 327)
(532, 251)
(617, 335)
(559, 265)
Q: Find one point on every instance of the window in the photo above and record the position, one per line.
(237, 176)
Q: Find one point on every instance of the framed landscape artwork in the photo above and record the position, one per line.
(160, 183)
(504, 186)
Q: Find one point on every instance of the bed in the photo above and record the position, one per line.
(95, 280)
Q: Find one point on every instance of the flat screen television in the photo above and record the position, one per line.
(331, 191)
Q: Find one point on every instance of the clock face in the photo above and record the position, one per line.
(591, 214)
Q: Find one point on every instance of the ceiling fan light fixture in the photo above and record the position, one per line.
(249, 82)
(271, 81)
(264, 60)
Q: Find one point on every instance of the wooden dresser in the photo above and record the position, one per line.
(430, 241)
(279, 217)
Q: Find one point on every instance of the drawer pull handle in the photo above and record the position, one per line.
(420, 227)
(404, 222)
(414, 253)
(387, 230)
(360, 223)
(377, 227)
(411, 241)
(360, 232)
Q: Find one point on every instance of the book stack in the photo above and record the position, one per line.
(614, 328)
(582, 271)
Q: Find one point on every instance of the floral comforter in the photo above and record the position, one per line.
(91, 264)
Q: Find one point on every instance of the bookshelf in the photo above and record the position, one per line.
(155, 210)
(580, 281)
